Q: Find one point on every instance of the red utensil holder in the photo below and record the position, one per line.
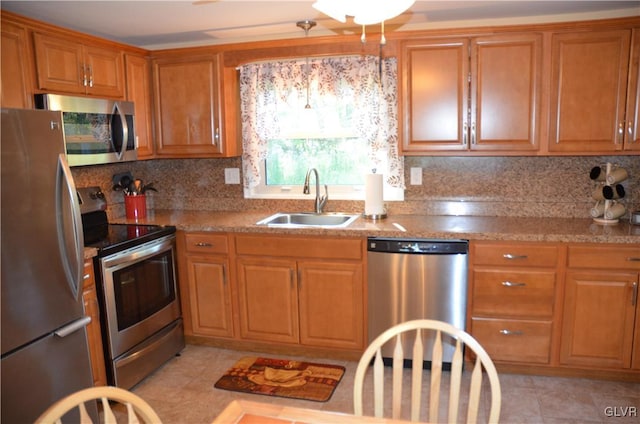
(135, 206)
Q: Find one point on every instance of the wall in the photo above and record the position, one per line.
(488, 186)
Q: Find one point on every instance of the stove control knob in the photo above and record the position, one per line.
(97, 195)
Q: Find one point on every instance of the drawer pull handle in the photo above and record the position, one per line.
(86, 276)
(512, 284)
(511, 332)
(634, 294)
(204, 244)
(510, 256)
(633, 259)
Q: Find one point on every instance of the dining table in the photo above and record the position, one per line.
(251, 412)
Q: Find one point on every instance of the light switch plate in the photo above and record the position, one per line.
(232, 175)
(416, 176)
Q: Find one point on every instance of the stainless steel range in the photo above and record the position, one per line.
(138, 292)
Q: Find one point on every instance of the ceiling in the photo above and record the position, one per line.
(166, 24)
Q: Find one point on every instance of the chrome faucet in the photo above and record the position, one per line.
(320, 200)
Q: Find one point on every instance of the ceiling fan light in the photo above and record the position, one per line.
(332, 8)
(373, 12)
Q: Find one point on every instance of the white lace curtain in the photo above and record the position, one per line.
(370, 82)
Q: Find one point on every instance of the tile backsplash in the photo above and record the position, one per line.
(487, 186)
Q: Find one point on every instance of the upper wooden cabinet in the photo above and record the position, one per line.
(190, 107)
(479, 94)
(589, 77)
(632, 130)
(139, 92)
(67, 66)
(16, 86)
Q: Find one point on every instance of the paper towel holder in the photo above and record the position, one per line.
(375, 216)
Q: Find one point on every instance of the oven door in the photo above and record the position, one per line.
(140, 293)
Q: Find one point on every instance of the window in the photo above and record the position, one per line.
(329, 114)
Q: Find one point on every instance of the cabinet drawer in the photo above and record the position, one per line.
(206, 243)
(514, 340)
(513, 293)
(306, 247)
(614, 257)
(515, 254)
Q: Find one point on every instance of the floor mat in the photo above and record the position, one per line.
(282, 377)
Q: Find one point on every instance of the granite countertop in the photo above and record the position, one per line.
(576, 230)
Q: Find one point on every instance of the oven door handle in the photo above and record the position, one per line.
(69, 222)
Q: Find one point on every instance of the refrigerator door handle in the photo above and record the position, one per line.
(74, 264)
(73, 327)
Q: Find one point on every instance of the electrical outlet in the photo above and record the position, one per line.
(232, 175)
(416, 176)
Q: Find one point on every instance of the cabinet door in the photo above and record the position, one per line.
(16, 87)
(268, 301)
(435, 86)
(635, 355)
(59, 64)
(94, 331)
(588, 91)
(505, 92)
(139, 92)
(105, 71)
(210, 296)
(632, 130)
(187, 107)
(598, 319)
(331, 304)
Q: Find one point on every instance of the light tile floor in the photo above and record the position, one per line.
(182, 392)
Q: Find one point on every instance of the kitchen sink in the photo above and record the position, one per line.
(303, 220)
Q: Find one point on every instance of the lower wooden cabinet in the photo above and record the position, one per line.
(273, 290)
(206, 284)
(94, 331)
(331, 304)
(210, 296)
(600, 319)
(302, 290)
(268, 300)
(512, 299)
(514, 340)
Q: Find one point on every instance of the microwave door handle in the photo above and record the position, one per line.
(74, 265)
(125, 130)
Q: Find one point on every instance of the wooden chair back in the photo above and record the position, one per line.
(417, 330)
(138, 410)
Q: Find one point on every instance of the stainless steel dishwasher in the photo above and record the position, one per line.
(416, 279)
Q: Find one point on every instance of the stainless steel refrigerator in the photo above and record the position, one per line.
(45, 355)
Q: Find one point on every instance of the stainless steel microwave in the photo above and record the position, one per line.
(95, 131)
